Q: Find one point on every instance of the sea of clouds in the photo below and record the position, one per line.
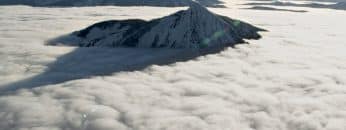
(292, 79)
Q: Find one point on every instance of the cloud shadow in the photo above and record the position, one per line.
(86, 62)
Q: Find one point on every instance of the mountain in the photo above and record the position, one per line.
(67, 3)
(336, 6)
(339, 5)
(195, 27)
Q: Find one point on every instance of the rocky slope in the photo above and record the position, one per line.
(195, 27)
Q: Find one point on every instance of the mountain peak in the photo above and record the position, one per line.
(197, 9)
(195, 27)
(195, 6)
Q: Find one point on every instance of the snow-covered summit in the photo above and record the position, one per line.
(195, 27)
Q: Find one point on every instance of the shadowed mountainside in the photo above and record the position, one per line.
(193, 28)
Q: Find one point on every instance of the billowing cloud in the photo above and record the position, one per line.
(292, 79)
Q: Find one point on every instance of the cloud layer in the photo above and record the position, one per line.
(293, 79)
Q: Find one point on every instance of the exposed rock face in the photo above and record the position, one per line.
(195, 27)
